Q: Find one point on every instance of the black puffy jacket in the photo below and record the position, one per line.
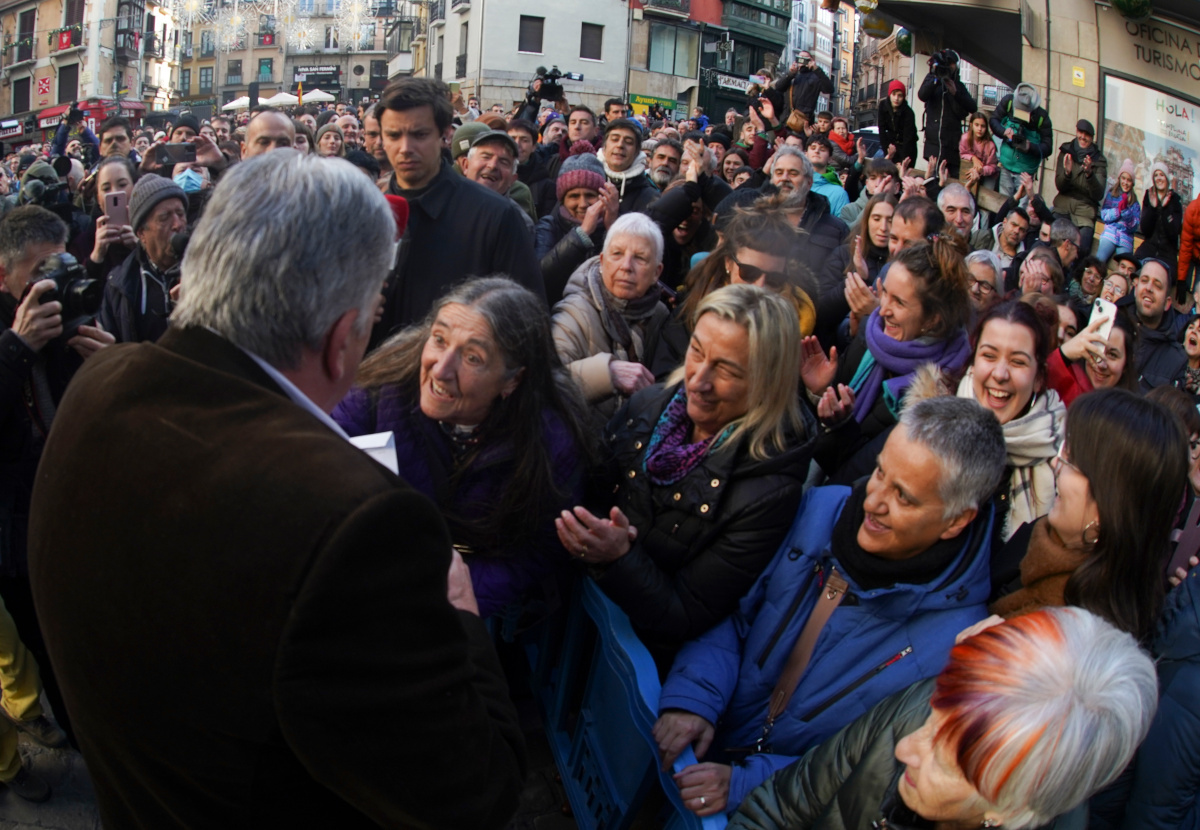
(822, 234)
(703, 541)
(560, 250)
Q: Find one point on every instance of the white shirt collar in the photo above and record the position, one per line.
(291, 390)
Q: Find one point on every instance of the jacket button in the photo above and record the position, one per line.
(637, 445)
(716, 482)
(629, 423)
(704, 508)
(677, 496)
(633, 473)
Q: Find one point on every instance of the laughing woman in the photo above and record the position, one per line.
(487, 423)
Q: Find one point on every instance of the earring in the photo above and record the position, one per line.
(1093, 523)
(990, 822)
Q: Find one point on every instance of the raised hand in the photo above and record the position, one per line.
(816, 369)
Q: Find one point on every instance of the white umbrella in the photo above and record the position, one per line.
(282, 99)
(237, 104)
(318, 96)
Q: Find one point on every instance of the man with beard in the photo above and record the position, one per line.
(665, 161)
(792, 174)
(1159, 359)
(373, 138)
(625, 165)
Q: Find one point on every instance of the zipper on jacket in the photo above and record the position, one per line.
(870, 673)
(791, 612)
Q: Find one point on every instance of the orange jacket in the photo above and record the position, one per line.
(1189, 238)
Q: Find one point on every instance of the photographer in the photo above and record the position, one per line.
(803, 85)
(36, 364)
(1028, 136)
(72, 128)
(947, 103)
(187, 131)
(137, 294)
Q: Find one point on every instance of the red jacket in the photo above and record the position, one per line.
(1069, 380)
(1189, 239)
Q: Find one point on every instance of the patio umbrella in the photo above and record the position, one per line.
(318, 96)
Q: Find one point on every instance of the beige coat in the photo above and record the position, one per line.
(585, 347)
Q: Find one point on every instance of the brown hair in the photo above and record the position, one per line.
(941, 279)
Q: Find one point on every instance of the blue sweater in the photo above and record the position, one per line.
(876, 643)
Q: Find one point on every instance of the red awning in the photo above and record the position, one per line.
(53, 111)
(48, 119)
(133, 106)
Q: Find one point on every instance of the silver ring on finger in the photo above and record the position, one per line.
(701, 801)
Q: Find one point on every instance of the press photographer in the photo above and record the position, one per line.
(1028, 136)
(947, 104)
(38, 358)
(72, 128)
(546, 86)
(800, 88)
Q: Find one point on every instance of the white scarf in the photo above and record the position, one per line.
(1031, 440)
(638, 168)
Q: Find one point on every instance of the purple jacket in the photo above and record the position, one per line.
(501, 572)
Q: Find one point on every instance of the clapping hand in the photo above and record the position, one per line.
(816, 369)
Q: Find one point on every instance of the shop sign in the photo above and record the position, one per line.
(11, 129)
(642, 103)
(1149, 126)
(733, 82)
(47, 123)
(1158, 52)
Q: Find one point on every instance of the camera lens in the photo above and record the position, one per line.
(83, 298)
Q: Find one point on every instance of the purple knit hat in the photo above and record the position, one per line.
(581, 169)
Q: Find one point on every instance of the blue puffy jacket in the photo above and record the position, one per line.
(876, 643)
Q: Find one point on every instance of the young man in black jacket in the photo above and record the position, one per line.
(947, 104)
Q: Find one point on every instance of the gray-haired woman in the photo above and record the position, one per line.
(1028, 719)
(607, 323)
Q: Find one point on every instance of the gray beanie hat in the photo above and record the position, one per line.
(147, 193)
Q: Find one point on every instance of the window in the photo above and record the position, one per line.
(208, 43)
(824, 17)
(404, 36)
(591, 41)
(266, 70)
(68, 83)
(307, 7)
(333, 7)
(206, 79)
(185, 82)
(20, 94)
(379, 69)
(530, 37)
(73, 12)
(331, 37)
(462, 39)
(673, 51)
(25, 26)
(233, 72)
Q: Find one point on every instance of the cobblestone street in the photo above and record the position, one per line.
(72, 804)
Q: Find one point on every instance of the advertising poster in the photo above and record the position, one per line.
(1146, 126)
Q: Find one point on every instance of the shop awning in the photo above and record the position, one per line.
(51, 117)
(133, 106)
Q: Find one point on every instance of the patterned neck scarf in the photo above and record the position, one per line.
(670, 457)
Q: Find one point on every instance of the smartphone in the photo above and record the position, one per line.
(455, 86)
(1103, 308)
(175, 153)
(1188, 543)
(761, 80)
(116, 208)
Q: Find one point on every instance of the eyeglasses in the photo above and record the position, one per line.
(985, 288)
(1114, 289)
(1059, 461)
(752, 274)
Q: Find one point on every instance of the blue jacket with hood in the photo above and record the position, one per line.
(876, 643)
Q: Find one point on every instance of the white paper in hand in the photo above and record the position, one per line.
(381, 446)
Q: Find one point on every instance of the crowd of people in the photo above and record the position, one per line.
(895, 490)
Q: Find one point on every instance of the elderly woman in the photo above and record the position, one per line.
(987, 280)
(711, 468)
(607, 322)
(1007, 377)
(1027, 720)
(1120, 477)
(924, 306)
(753, 251)
(330, 140)
(574, 231)
(487, 424)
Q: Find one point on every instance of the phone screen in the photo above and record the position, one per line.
(176, 153)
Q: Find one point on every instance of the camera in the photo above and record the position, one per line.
(551, 83)
(55, 197)
(75, 114)
(80, 296)
(944, 64)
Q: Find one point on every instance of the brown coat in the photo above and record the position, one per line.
(248, 616)
(1044, 573)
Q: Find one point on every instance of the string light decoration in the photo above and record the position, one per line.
(191, 13)
(354, 28)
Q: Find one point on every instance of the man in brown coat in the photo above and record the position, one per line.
(255, 623)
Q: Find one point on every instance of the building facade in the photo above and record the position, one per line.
(757, 34)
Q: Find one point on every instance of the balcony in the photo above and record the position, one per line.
(207, 50)
(460, 6)
(205, 90)
(153, 47)
(126, 50)
(460, 66)
(233, 80)
(385, 8)
(264, 78)
(682, 8)
(437, 71)
(187, 52)
(67, 40)
(437, 12)
(185, 91)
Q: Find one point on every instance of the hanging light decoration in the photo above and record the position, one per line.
(289, 23)
(876, 25)
(354, 25)
(190, 13)
(866, 6)
(301, 35)
(904, 42)
(231, 28)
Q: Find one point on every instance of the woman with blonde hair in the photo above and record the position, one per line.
(710, 467)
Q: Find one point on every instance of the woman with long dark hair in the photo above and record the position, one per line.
(855, 268)
(487, 423)
(1120, 477)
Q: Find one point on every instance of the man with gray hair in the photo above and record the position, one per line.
(792, 175)
(294, 603)
(1065, 244)
(864, 597)
(958, 209)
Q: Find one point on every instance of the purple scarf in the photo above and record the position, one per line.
(669, 457)
(900, 358)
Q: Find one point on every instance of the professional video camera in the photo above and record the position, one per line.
(944, 64)
(75, 115)
(49, 192)
(80, 296)
(551, 89)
